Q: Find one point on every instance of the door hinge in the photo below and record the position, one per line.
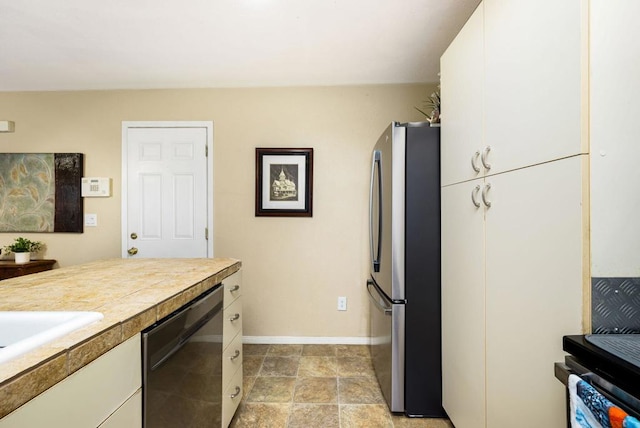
(206, 151)
(206, 233)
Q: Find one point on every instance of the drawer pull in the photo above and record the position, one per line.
(234, 288)
(235, 355)
(234, 318)
(235, 394)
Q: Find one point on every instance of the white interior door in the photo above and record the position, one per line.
(166, 191)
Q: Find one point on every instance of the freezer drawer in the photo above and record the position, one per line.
(387, 346)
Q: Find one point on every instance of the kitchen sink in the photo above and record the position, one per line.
(22, 331)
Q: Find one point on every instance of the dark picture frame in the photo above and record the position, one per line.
(284, 182)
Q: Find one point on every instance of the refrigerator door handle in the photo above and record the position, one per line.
(376, 165)
(378, 299)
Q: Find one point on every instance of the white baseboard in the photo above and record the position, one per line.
(305, 340)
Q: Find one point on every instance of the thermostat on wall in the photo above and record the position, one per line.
(96, 187)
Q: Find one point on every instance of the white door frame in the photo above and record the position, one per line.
(167, 124)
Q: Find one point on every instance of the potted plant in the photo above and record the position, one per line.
(22, 248)
(434, 104)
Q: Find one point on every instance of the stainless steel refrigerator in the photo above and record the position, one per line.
(404, 284)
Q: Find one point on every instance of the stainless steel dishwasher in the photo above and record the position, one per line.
(182, 366)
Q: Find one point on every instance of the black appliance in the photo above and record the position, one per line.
(182, 366)
(609, 362)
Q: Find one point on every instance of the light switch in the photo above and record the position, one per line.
(91, 220)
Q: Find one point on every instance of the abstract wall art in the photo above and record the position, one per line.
(41, 192)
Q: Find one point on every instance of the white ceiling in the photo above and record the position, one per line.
(122, 44)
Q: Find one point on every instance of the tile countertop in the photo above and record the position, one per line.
(132, 294)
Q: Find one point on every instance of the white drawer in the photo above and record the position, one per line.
(231, 398)
(232, 323)
(232, 288)
(231, 360)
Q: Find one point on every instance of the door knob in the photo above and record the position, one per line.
(132, 251)
(134, 235)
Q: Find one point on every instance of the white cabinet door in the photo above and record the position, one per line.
(461, 88)
(463, 312)
(615, 176)
(532, 81)
(89, 396)
(533, 290)
(129, 415)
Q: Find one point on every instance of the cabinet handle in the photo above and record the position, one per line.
(235, 394)
(484, 156)
(484, 195)
(474, 161)
(234, 317)
(234, 288)
(474, 195)
(235, 355)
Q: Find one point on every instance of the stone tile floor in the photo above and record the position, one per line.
(324, 386)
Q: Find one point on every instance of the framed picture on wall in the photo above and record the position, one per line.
(41, 192)
(284, 182)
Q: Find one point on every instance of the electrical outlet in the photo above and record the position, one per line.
(342, 303)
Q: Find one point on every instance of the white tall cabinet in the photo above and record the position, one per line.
(513, 211)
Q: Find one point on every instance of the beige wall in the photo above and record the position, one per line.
(294, 268)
